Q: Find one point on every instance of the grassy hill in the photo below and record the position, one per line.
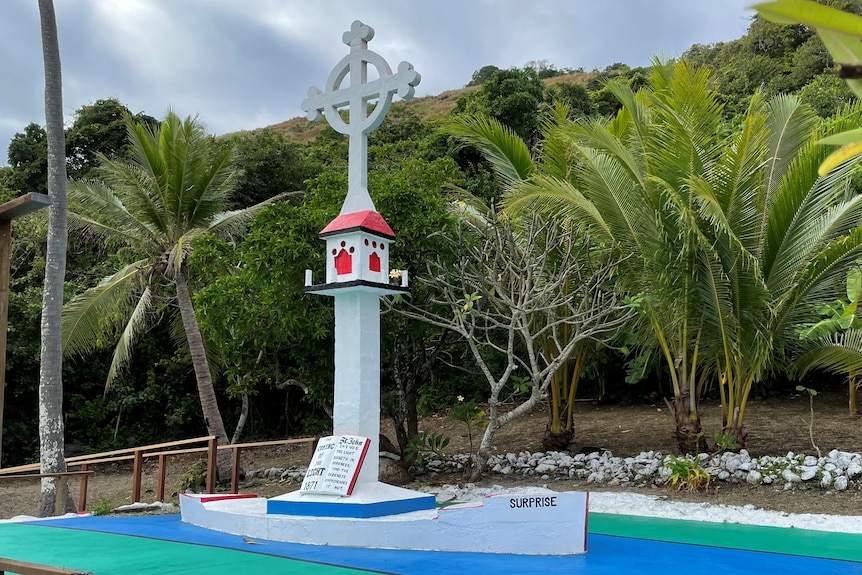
(299, 129)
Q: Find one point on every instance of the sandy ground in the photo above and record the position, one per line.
(776, 425)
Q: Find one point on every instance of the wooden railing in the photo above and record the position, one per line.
(62, 486)
(160, 450)
(25, 568)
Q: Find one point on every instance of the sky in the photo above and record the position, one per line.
(245, 64)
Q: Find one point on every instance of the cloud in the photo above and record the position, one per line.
(241, 64)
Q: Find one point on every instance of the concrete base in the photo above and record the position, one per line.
(535, 524)
(367, 500)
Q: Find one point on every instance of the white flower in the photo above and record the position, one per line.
(393, 274)
(460, 398)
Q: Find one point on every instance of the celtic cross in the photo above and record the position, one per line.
(356, 95)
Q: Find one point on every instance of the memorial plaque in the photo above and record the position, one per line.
(335, 466)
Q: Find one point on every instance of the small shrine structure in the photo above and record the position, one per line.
(358, 244)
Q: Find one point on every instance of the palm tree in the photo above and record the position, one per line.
(172, 191)
(785, 238)
(732, 241)
(514, 163)
(625, 181)
(51, 440)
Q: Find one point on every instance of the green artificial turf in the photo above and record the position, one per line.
(803, 542)
(99, 553)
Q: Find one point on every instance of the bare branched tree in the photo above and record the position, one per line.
(511, 285)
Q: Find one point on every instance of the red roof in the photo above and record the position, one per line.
(366, 220)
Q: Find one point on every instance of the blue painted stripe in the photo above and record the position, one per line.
(350, 510)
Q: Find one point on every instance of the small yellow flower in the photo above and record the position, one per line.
(393, 274)
(460, 398)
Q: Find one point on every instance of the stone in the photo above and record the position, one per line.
(854, 470)
(790, 477)
(446, 495)
(753, 477)
(390, 472)
(808, 473)
(840, 483)
(732, 463)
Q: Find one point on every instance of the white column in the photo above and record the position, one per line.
(357, 372)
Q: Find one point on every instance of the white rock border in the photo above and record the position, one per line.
(837, 470)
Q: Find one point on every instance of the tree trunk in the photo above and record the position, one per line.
(51, 440)
(206, 391)
(557, 441)
(732, 429)
(688, 433)
(243, 417)
(854, 402)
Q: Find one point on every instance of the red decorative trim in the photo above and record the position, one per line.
(358, 467)
(211, 498)
(366, 220)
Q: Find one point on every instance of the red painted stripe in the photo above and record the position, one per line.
(211, 498)
(358, 467)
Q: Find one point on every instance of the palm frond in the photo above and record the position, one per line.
(557, 198)
(135, 325)
(839, 353)
(94, 209)
(92, 315)
(790, 125)
(233, 224)
(500, 145)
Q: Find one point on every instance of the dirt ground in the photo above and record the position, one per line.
(776, 425)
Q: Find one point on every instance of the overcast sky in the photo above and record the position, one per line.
(243, 64)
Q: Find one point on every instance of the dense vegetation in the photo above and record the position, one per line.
(714, 300)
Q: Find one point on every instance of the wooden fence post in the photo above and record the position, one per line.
(212, 468)
(82, 489)
(234, 474)
(137, 471)
(160, 489)
(61, 487)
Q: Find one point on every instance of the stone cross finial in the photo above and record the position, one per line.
(356, 95)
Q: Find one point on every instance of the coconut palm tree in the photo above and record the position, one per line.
(171, 192)
(731, 240)
(607, 176)
(51, 440)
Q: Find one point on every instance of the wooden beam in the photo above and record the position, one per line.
(160, 485)
(212, 466)
(25, 568)
(82, 488)
(137, 471)
(8, 211)
(42, 475)
(23, 205)
(234, 479)
(5, 249)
